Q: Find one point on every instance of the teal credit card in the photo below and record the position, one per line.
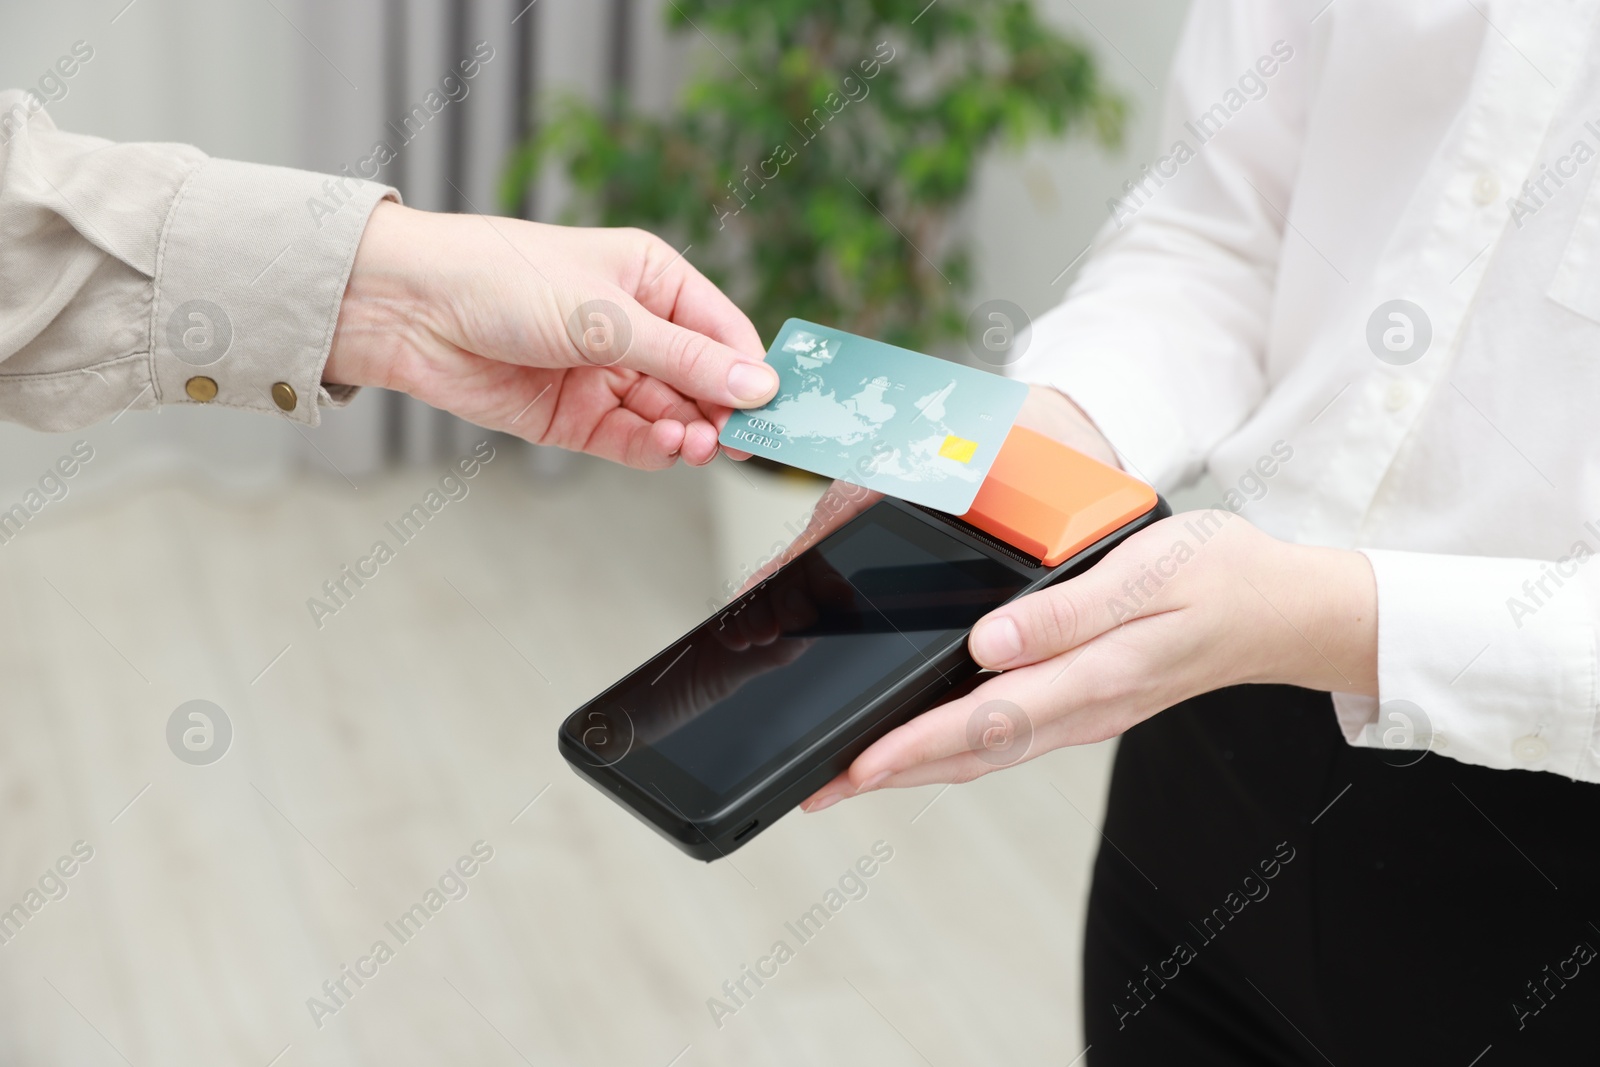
(908, 425)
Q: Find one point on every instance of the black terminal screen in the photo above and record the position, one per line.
(833, 630)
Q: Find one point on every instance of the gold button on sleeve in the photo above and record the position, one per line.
(284, 396)
(201, 388)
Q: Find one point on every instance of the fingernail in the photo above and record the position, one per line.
(996, 641)
(752, 382)
(873, 782)
(826, 802)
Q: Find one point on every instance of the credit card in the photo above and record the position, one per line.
(890, 419)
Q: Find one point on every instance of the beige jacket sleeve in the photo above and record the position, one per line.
(135, 275)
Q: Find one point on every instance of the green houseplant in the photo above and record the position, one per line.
(817, 161)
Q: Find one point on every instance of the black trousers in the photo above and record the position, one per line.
(1267, 894)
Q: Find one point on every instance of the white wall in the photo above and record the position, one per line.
(1036, 210)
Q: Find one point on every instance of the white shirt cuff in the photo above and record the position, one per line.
(1126, 404)
(1502, 671)
(250, 273)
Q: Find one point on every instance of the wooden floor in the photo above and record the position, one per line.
(370, 755)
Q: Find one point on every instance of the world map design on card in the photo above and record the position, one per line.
(905, 424)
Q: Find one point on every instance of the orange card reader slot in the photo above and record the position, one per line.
(1051, 501)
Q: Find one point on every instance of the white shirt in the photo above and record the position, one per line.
(1225, 314)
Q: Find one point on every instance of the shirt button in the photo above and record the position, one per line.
(283, 396)
(1398, 395)
(1486, 188)
(1530, 749)
(201, 388)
